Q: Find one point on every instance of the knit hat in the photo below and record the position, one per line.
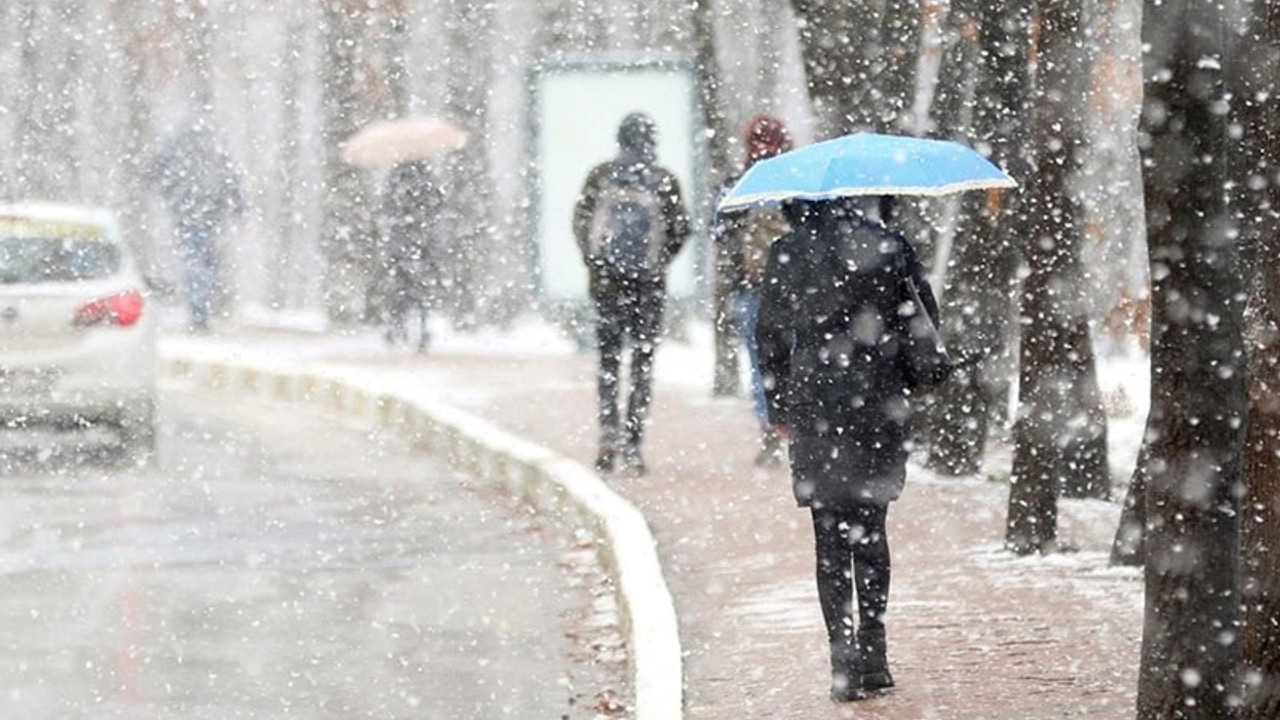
(765, 137)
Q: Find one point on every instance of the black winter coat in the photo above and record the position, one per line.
(829, 331)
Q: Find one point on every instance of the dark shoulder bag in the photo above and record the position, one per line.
(924, 358)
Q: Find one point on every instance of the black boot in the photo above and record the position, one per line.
(873, 661)
(631, 461)
(607, 457)
(846, 676)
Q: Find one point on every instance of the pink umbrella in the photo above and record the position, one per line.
(387, 142)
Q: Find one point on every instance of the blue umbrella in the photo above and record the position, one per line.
(865, 164)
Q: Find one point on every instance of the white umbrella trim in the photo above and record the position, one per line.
(780, 196)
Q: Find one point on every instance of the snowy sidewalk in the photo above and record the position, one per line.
(974, 632)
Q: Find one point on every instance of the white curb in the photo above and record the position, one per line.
(553, 484)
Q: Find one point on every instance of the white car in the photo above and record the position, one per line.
(77, 327)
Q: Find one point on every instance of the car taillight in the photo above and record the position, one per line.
(123, 310)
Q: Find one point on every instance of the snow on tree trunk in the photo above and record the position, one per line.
(1259, 205)
(980, 281)
(1128, 547)
(838, 38)
(1060, 431)
(725, 376)
(471, 241)
(1189, 644)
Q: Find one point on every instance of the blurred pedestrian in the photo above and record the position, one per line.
(630, 221)
(747, 235)
(834, 314)
(201, 187)
(411, 204)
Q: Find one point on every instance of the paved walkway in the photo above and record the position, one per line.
(974, 632)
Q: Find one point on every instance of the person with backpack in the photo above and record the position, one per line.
(748, 234)
(629, 222)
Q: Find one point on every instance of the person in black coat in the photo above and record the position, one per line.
(412, 203)
(832, 322)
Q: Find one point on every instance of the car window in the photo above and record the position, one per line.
(36, 255)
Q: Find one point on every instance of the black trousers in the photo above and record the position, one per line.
(629, 314)
(852, 548)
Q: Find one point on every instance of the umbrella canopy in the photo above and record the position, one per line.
(388, 142)
(865, 164)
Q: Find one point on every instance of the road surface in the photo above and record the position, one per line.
(274, 562)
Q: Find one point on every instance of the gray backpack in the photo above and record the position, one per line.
(628, 230)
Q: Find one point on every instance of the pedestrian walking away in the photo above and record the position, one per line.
(747, 234)
(629, 222)
(834, 324)
(197, 180)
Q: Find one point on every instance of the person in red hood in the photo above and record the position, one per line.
(748, 235)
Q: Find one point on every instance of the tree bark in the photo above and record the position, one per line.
(961, 62)
(291, 234)
(130, 27)
(772, 15)
(471, 235)
(839, 44)
(980, 286)
(346, 221)
(896, 66)
(725, 376)
(1129, 548)
(1259, 181)
(1189, 648)
(1060, 431)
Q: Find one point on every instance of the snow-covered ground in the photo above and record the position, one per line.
(684, 364)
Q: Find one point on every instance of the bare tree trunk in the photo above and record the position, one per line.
(1060, 433)
(981, 282)
(860, 61)
(198, 31)
(838, 41)
(772, 14)
(291, 202)
(346, 220)
(471, 230)
(130, 28)
(897, 63)
(955, 92)
(1197, 393)
(47, 165)
(1257, 71)
(725, 377)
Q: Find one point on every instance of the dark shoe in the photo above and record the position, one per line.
(632, 462)
(605, 459)
(846, 676)
(877, 681)
(873, 660)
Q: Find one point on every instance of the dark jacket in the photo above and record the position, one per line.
(746, 236)
(635, 163)
(829, 332)
(411, 204)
